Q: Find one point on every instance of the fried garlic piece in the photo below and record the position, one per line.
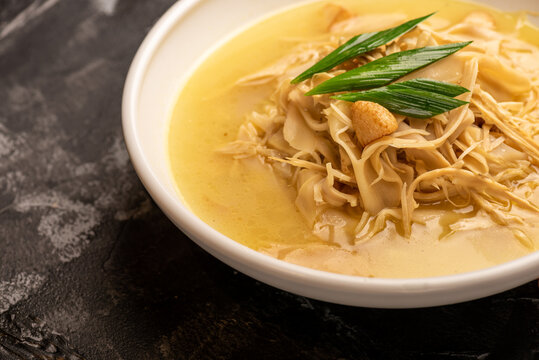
(372, 121)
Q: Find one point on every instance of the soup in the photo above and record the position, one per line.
(258, 198)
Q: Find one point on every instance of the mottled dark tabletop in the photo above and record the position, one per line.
(90, 268)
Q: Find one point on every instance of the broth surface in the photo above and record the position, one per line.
(248, 203)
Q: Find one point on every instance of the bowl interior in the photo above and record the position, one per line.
(174, 47)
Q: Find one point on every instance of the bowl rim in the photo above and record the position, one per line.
(245, 259)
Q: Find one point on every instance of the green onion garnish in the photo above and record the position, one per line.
(406, 100)
(358, 45)
(438, 87)
(387, 69)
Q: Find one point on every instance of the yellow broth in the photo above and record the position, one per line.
(247, 202)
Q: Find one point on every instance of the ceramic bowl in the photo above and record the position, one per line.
(166, 57)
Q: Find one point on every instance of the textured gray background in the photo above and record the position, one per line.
(90, 267)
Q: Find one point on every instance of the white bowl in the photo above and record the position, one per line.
(171, 50)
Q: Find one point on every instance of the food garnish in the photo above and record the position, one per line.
(421, 98)
(358, 45)
(371, 121)
(387, 69)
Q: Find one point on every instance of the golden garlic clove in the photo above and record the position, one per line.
(372, 121)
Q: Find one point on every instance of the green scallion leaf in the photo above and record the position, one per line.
(358, 45)
(387, 69)
(406, 101)
(438, 87)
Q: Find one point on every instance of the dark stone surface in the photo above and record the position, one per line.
(91, 269)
